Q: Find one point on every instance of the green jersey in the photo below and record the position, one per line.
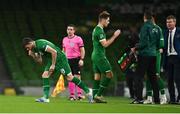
(97, 36)
(41, 46)
(149, 39)
(61, 60)
(100, 62)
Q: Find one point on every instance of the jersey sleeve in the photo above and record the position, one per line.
(100, 35)
(80, 42)
(42, 47)
(63, 43)
(161, 39)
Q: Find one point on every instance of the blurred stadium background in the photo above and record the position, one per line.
(48, 19)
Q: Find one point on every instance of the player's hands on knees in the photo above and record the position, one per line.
(117, 33)
(81, 62)
(30, 53)
(51, 69)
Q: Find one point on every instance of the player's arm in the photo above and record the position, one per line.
(53, 56)
(82, 52)
(106, 43)
(36, 56)
(63, 46)
(161, 41)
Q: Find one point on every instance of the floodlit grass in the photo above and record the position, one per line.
(24, 104)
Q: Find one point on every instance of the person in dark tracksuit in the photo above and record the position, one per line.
(133, 38)
(161, 85)
(130, 79)
(147, 48)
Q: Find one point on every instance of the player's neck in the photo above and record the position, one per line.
(100, 25)
(71, 36)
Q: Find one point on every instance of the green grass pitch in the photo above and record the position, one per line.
(26, 104)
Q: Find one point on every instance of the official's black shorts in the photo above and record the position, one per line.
(74, 64)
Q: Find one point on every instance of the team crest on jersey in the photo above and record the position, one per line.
(101, 36)
(62, 71)
(154, 30)
(71, 44)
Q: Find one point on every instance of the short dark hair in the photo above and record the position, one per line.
(26, 41)
(154, 14)
(171, 17)
(104, 15)
(72, 25)
(148, 14)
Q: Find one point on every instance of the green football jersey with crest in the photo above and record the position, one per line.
(41, 46)
(61, 60)
(97, 36)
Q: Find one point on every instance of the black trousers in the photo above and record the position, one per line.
(130, 82)
(146, 64)
(173, 74)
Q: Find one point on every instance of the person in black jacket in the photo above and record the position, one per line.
(147, 48)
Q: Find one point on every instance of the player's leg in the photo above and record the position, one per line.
(151, 73)
(65, 70)
(97, 79)
(149, 92)
(46, 88)
(105, 82)
(46, 84)
(78, 82)
(71, 85)
(104, 67)
(77, 73)
(81, 85)
(130, 82)
(78, 89)
(163, 99)
(161, 85)
(138, 79)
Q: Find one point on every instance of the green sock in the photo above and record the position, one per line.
(148, 88)
(162, 91)
(159, 80)
(103, 86)
(149, 93)
(161, 86)
(80, 84)
(96, 87)
(46, 87)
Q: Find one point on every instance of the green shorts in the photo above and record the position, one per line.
(101, 66)
(62, 66)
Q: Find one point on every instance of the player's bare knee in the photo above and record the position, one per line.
(97, 76)
(70, 77)
(45, 74)
(109, 74)
(78, 76)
